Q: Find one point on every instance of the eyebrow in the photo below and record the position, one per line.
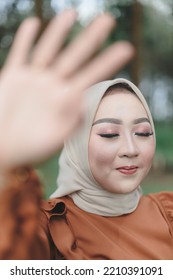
(141, 120)
(108, 120)
(117, 121)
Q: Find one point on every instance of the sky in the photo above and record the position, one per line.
(86, 9)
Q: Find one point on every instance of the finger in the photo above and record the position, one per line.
(104, 65)
(85, 45)
(23, 42)
(53, 38)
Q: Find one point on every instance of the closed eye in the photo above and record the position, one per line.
(109, 135)
(144, 134)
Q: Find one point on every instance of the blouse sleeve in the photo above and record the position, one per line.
(165, 203)
(22, 224)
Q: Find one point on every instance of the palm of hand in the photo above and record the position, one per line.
(41, 101)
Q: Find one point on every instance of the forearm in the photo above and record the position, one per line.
(20, 199)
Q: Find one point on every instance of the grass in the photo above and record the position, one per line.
(158, 181)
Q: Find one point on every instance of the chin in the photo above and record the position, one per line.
(123, 189)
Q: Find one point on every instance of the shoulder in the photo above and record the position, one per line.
(54, 206)
(164, 201)
(57, 206)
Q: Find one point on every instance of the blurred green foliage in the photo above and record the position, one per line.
(164, 133)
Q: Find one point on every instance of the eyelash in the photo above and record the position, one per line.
(115, 135)
(109, 135)
(144, 134)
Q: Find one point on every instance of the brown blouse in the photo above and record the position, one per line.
(63, 231)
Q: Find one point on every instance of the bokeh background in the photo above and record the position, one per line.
(148, 24)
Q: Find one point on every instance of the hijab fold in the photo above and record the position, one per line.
(75, 178)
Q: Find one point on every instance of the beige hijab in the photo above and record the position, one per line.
(75, 178)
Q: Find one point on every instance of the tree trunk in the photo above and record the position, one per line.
(136, 40)
(39, 9)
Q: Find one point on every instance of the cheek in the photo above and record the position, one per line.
(148, 152)
(101, 152)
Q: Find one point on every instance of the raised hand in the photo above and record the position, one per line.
(41, 86)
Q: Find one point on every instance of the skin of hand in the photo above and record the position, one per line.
(42, 84)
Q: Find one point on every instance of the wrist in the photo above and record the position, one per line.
(18, 175)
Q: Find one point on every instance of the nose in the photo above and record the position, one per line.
(128, 147)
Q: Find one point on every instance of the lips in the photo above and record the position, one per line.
(127, 170)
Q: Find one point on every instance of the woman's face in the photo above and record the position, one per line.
(121, 145)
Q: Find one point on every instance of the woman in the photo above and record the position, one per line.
(98, 210)
(41, 103)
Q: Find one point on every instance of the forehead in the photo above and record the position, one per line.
(120, 103)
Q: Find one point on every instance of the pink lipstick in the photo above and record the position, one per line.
(127, 170)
